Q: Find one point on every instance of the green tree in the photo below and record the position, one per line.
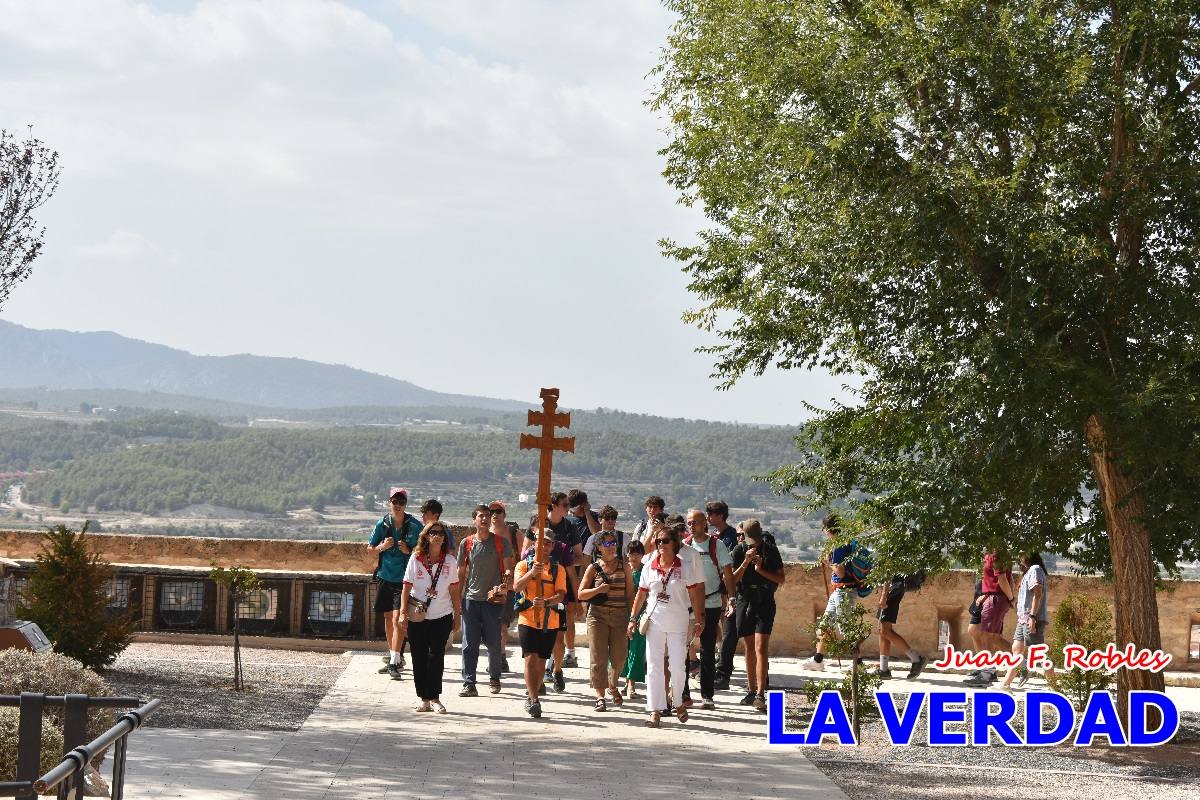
(240, 582)
(67, 596)
(28, 177)
(987, 212)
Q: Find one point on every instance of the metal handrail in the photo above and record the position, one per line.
(74, 761)
(60, 700)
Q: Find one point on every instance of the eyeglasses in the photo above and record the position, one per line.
(661, 542)
(699, 521)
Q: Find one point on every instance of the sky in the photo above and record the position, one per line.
(465, 194)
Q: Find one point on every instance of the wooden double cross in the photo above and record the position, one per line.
(549, 418)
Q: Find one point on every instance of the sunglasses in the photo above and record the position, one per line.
(608, 543)
(661, 542)
(437, 532)
(497, 512)
(398, 501)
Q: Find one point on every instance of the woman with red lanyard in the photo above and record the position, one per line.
(670, 586)
(429, 611)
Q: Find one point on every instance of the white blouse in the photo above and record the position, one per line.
(669, 613)
(418, 577)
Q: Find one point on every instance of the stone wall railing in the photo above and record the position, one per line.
(323, 589)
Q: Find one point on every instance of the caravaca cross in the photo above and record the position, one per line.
(549, 418)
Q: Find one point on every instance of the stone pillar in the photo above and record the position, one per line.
(296, 611)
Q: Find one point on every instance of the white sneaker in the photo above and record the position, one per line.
(812, 665)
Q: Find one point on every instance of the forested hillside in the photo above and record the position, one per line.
(166, 462)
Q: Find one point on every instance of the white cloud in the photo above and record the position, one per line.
(124, 246)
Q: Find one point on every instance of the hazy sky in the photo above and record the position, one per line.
(461, 193)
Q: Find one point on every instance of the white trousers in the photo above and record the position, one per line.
(672, 647)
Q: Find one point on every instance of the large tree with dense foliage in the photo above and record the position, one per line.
(988, 211)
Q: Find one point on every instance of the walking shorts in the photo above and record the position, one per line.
(536, 642)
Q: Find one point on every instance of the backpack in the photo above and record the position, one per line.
(469, 543)
(712, 554)
(859, 569)
(519, 601)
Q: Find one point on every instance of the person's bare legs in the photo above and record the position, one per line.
(762, 649)
(534, 669)
(752, 670)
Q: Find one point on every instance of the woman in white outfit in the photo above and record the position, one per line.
(670, 586)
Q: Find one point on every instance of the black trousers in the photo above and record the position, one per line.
(427, 640)
(708, 655)
(729, 643)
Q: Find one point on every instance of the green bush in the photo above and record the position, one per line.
(52, 744)
(54, 674)
(868, 683)
(66, 596)
(1088, 623)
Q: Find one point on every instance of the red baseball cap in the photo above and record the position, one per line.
(496, 505)
(396, 490)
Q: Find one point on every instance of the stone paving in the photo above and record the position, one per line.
(365, 741)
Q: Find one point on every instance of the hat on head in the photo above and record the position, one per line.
(396, 490)
(496, 505)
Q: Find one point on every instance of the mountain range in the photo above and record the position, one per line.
(57, 359)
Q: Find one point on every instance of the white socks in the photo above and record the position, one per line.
(395, 656)
(883, 662)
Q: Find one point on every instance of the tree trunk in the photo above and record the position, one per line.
(1134, 602)
(237, 652)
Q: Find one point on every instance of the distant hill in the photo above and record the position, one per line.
(60, 360)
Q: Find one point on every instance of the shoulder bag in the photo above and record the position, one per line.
(417, 609)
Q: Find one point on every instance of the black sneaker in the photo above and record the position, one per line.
(760, 703)
(917, 666)
(385, 668)
(494, 685)
(468, 690)
(560, 683)
(885, 674)
(533, 707)
(394, 671)
(721, 685)
(748, 700)
(569, 661)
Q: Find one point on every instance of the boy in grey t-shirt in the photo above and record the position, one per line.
(483, 561)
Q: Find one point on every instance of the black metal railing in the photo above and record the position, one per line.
(67, 778)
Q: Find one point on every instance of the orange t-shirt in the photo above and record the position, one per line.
(541, 587)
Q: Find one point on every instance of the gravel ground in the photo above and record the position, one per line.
(876, 768)
(195, 683)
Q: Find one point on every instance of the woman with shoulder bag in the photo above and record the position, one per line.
(670, 585)
(429, 612)
(607, 587)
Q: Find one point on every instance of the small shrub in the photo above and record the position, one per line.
(51, 673)
(52, 744)
(66, 598)
(868, 684)
(1088, 623)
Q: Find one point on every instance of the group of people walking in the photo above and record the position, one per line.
(678, 586)
(665, 603)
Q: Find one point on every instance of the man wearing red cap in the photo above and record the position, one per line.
(394, 538)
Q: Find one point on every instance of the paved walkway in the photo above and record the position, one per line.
(364, 741)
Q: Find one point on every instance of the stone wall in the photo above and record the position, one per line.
(800, 601)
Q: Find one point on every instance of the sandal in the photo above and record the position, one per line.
(681, 712)
(438, 707)
(601, 705)
(422, 707)
(653, 722)
(616, 695)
